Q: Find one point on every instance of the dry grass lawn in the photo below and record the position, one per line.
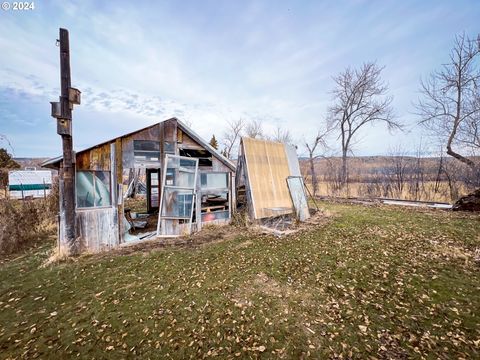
(373, 282)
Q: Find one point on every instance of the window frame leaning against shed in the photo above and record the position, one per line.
(106, 183)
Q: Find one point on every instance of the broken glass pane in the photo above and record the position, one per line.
(85, 189)
(102, 188)
(93, 189)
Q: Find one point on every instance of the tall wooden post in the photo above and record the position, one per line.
(62, 110)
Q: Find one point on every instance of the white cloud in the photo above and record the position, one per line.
(214, 62)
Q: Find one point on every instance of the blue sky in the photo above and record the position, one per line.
(209, 62)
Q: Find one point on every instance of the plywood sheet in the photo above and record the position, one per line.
(267, 169)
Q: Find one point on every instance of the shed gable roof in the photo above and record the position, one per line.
(55, 162)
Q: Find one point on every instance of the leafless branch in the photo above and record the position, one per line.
(254, 129)
(450, 103)
(232, 135)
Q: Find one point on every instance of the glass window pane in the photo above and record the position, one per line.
(146, 150)
(177, 203)
(185, 179)
(84, 189)
(147, 155)
(215, 215)
(169, 147)
(154, 179)
(102, 188)
(170, 177)
(181, 172)
(154, 197)
(214, 180)
(184, 164)
(146, 145)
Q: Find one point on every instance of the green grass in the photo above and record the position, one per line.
(377, 282)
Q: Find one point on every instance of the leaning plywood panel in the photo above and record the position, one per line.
(267, 168)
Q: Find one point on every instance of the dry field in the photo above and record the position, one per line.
(407, 178)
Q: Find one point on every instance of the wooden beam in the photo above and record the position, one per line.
(64, 128)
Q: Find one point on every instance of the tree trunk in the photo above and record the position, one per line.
(456, 124)
(344, 168)
(314, 176)
(461, 158)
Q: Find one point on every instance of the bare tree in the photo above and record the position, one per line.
(417, 175)
(231, 136)
(282, 135)
(319, 142)
(450, 105)
(398, 171)
(360, 98)
(254, 129)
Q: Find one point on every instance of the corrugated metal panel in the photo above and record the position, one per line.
(30, 177)
(267, 168)
(29, 183)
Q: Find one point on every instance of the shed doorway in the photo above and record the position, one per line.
(153, 190)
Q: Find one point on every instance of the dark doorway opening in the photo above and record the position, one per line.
(153, 190)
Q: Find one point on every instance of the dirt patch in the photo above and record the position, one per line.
(265, 285)
(270, 287)
(261, 283)
(217, 233)
(211, 234)
(208, 235)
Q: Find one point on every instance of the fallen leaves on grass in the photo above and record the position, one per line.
(372, 283)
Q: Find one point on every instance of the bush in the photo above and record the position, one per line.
(23, 223)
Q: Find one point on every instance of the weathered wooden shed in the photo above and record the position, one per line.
(188, 184)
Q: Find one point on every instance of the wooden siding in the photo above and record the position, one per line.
(97, 158)
(97, 229)
(188, 143)
(118, 168)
